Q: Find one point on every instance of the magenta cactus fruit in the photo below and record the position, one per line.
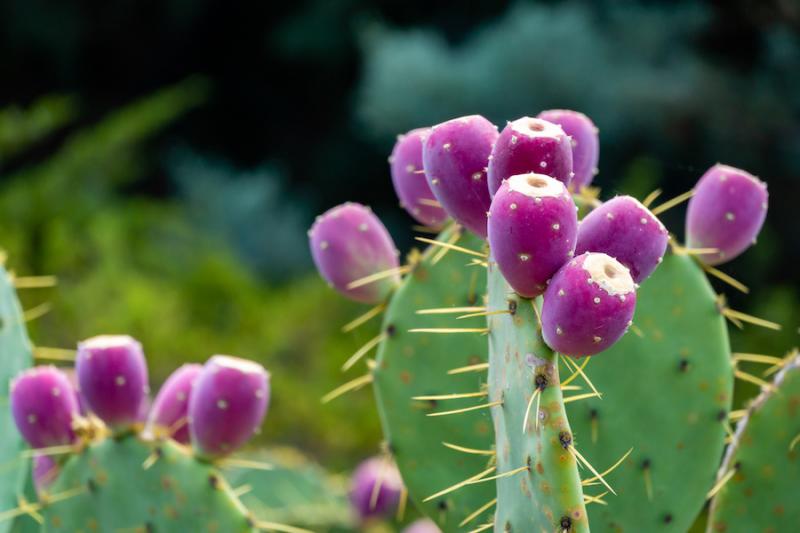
(375, 488)
(227, 404)
(408, 178)
(627, 231)
(45, 471)
(726, 213)
(588, 305)
(530, 145)
(584, 141)
(44, 405)
(455, 155)
(532, 228)
(112, 378)
(349, 243)
(169, 415)
(423, 525)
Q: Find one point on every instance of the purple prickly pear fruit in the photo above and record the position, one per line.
(627, 231)
(227, 404)
(348, 243)
(44, 405)
(726, 213)
(375, 488)
(409, 179)
(588, 305)
(530, 145)
(169, 416)
(585, 143)
(112, 378)
(45, 471)
(455, 155)
(423, 525)
(532, 226)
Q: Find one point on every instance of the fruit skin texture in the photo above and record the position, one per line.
(44, 404)
(348, 242)
(409, 179)
(588, 305)
(227, 405)
(726, 212)
(171, 406)
(585, 144)
(381, 472)
(627, 231)
(533, 224)
(530, 145)
(112, 378)
(455, 155)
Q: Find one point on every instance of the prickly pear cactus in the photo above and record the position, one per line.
(666, 395)
(545, 493)
(15, 355)
(127, 484)
(412, 364)
(760, 475)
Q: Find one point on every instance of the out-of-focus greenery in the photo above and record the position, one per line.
(22, 127)
(129, 264)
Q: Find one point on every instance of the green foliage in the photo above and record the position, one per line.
(547, 495)
(111, 489)
(15, 356)
(761, 495)
(20, 128)
(417, 364)
(666, 396)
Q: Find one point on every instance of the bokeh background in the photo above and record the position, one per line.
(165, 158)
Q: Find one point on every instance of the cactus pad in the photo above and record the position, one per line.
(15, 355)
(666, 395)
(114, 491)
(411, 364)
(762, 493)
(547, 495)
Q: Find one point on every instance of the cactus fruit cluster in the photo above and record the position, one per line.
(488, 402)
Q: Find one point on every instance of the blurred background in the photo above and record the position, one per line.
(165, 158)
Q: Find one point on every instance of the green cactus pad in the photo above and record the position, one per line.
(15, 356)
(113, 491)
(416, 364)
(762, 494)
(666, 395)
(547, 495)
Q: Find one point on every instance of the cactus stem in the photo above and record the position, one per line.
(351, 385)
(452, 247)
(38, 311)
(35, 282)
(750, 378)
(721, 483)
(53, 354)
(449, 330)
(733, 315)
(477, 512)
(485, 313)
(669, 204)
(479, 367)
(378, 276)
(366, 317)
(468, 450)
(581, 459)
(450, 310)
(579, 397)
(500, 476)
(466, 409)
(248, 464)
(587, 499)
(364, 350)
(273, 526)
(460, 484)
(722, 276)
(452, 396)
(650, 198)
(756, 358)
